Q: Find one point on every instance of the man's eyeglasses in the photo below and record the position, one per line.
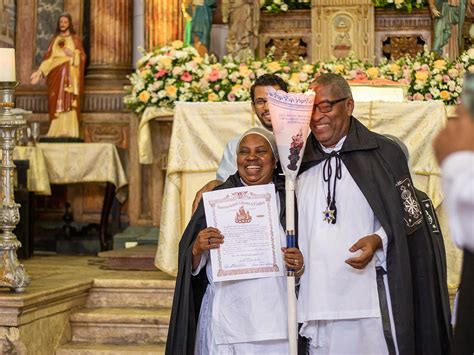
(327, 105)
(259, 103)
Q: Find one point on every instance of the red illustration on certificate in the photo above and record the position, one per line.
(248, 219)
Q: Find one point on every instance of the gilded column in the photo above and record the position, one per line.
(163, 22)
(110, 41)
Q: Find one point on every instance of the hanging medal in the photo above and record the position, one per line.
(330, 213)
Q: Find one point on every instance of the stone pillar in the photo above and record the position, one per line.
(163, 22)
(110, 42)
(138, 29)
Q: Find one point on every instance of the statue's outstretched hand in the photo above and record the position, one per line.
(436, 13)
(35, 77)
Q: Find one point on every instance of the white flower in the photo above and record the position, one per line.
(434, 92)
(277, 2)
(284, 7)
(470, 52)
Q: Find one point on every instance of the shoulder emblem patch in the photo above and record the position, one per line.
(430, 215)
(412, 213)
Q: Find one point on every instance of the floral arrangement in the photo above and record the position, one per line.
(400, 4)
(278, 6)
(177, 73)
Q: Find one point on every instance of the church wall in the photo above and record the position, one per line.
(47, 12)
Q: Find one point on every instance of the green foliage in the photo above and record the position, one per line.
(406, 5)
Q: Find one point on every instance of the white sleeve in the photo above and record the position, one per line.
(381, 254)
(228, 164)
(202, 263)
(458, 186)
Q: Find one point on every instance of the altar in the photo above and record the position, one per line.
(76, 163)
(201, 131)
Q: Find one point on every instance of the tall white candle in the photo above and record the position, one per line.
(7, 64)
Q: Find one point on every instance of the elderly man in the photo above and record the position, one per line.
(356, 200)
(454, 148)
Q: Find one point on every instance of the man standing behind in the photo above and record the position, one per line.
(356, 200)
(228, 164)
(454, 148)
(63, 66)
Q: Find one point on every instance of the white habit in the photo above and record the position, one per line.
(242, 317)
(458, 186)
(338, 304)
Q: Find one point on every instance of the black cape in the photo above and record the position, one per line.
(379, 168)
(189, 290)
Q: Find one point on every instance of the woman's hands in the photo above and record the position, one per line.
(208, 238)
(293, 259)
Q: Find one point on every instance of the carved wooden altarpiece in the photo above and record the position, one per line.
(342, 26)
(398, 33)
(289, 33)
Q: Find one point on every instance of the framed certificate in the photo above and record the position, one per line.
(248, 219)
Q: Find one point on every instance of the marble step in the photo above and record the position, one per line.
(131, 293)
(75, 348)
(120, 325)
(139, 257)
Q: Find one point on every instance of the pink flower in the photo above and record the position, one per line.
(213, 75)
(231, 96)
(446, 78)
(410, 98)
(428, 96)
(286, 69)
(425, 67)
(161, 72)
(418, 97)
(252, 76)
(186, 77)
(217, 87)
(360, 75)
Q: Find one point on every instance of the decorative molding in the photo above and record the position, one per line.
(94, 102)
(32, 102)
(289, 32)
(107, 133)
(37, 101)
(390, 20)
(339, 27)
(397, 34)
(399, 46)
(293, 47)
(291, 20)
(341, 2)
